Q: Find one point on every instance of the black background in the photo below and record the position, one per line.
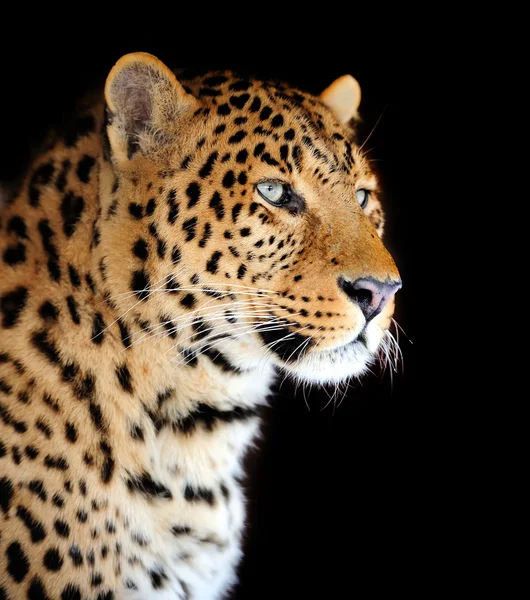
(335, 493)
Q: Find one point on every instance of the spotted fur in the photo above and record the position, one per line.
(148, 295)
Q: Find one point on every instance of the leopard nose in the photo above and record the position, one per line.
(369, 294)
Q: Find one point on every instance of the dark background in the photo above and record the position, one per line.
(336, 500)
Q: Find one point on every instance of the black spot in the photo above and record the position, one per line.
(289, 135)
(31, 452)
(145, 485)
(15, 254)
(206, 235)
(141, 249)
(36, 528)
(190, 357)
(297, 157)
(137, 433)
(72, 307)
(289, 345)
(5, 387)
(256, 105)
(106, 595)
(124, 333)
(82, 516)
(180, 530)
(36, 486)
(174, 208)
(98, 327)
(36, 590)
(225, 491)
(140, 284)
(219, 129)
(6, 494)
(17, 225)
(41, 342)
(199, 494)
(62, 528)
(44, 427)
(235, 211)
(277, 121)
(242, 178)
(189, 301)
(158, 579)
(193, 191)
(209, 417)
(269, 160)
(213, 264)
(17, 456)
(189, 227)
(150, 208)
(229, 179)
(47, 234)
(76, 555)
(90, 283)
(17, 562)
(223, 110)
(71, 432)
(265, 113)
(52, 560)
(258, 150)
(239, 101)
(96, 579)
(56, 462)
(12, 304)
(74, 276)
(124, 378)
(97, 416)
(71, 592)
(136, 210)
(48, 311)
(241, 271)
(71, 210)
(41, 176)
(245, 232)
(217, 204)
(207, 168)
(176, 255)
(237, 137)
(84, 167)
(8, 419)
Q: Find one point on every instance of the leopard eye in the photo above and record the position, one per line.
(362, 197)
(272, 191)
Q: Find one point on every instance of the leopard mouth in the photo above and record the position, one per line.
(299, 358)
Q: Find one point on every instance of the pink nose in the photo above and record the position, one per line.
(369, 294)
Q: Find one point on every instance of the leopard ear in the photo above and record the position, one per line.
(145, 105)
(343, 97)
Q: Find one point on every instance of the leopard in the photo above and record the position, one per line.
(182, 242)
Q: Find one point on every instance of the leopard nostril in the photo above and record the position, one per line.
(369, 294)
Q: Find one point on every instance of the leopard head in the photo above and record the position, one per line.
(240, 215)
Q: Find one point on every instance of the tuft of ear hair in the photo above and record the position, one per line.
(145, 104)
(343, 97)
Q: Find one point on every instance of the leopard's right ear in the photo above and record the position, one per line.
(145, 104)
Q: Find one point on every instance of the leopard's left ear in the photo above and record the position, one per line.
(343, 97)
(146, 105)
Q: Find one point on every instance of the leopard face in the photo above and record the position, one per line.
(239, 215)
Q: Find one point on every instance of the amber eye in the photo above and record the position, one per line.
(362, 197)
(272, 191)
